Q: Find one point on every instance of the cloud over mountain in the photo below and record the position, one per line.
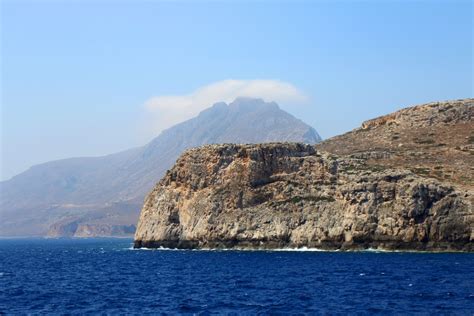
(167, 110)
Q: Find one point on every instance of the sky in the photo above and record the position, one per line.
(88, 78)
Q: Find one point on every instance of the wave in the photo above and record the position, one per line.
(302, 249)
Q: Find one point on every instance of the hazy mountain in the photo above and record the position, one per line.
(100, 196)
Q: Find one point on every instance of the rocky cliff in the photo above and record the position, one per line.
(372, 194)
(290, 195)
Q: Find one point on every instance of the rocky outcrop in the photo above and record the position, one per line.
(75, 229)
(292, 195)
(80, 227)
(435, 113)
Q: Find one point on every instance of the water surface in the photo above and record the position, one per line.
(105, 275)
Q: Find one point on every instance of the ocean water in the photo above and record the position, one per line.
(107, 276)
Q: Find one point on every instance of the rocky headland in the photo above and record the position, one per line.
(336, 195)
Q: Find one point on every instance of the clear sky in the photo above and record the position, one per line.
(77, 76)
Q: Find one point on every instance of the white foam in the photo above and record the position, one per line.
(305, 249)
(302, 249)
(153, 249)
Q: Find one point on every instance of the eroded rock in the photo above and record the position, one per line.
(291, 195)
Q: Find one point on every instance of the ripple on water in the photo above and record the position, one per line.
(90, 276)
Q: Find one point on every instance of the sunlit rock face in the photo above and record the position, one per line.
(291, 195)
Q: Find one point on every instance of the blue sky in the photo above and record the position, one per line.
(76, 75)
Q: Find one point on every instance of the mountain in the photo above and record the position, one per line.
(102, 196)
(375, 193)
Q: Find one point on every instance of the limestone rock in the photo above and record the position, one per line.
(292, 195)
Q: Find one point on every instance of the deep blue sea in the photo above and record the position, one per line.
(107, 276)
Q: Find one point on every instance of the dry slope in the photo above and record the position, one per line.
(433, 140)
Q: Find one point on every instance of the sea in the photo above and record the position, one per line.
(107, 276)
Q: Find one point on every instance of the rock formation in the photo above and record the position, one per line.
(295, 195)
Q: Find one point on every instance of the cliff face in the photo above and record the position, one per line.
(291, 195)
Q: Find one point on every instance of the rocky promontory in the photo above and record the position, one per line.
(291, 195)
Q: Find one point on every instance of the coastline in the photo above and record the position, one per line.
(374, 246)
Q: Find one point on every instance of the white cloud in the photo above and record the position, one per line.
(168, 110)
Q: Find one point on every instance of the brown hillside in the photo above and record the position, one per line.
(433, 140)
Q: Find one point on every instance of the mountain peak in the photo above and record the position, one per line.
(250, 103)
(242, 105)
(243, 99)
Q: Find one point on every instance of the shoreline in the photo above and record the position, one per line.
(303, 249)
(374, 246)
